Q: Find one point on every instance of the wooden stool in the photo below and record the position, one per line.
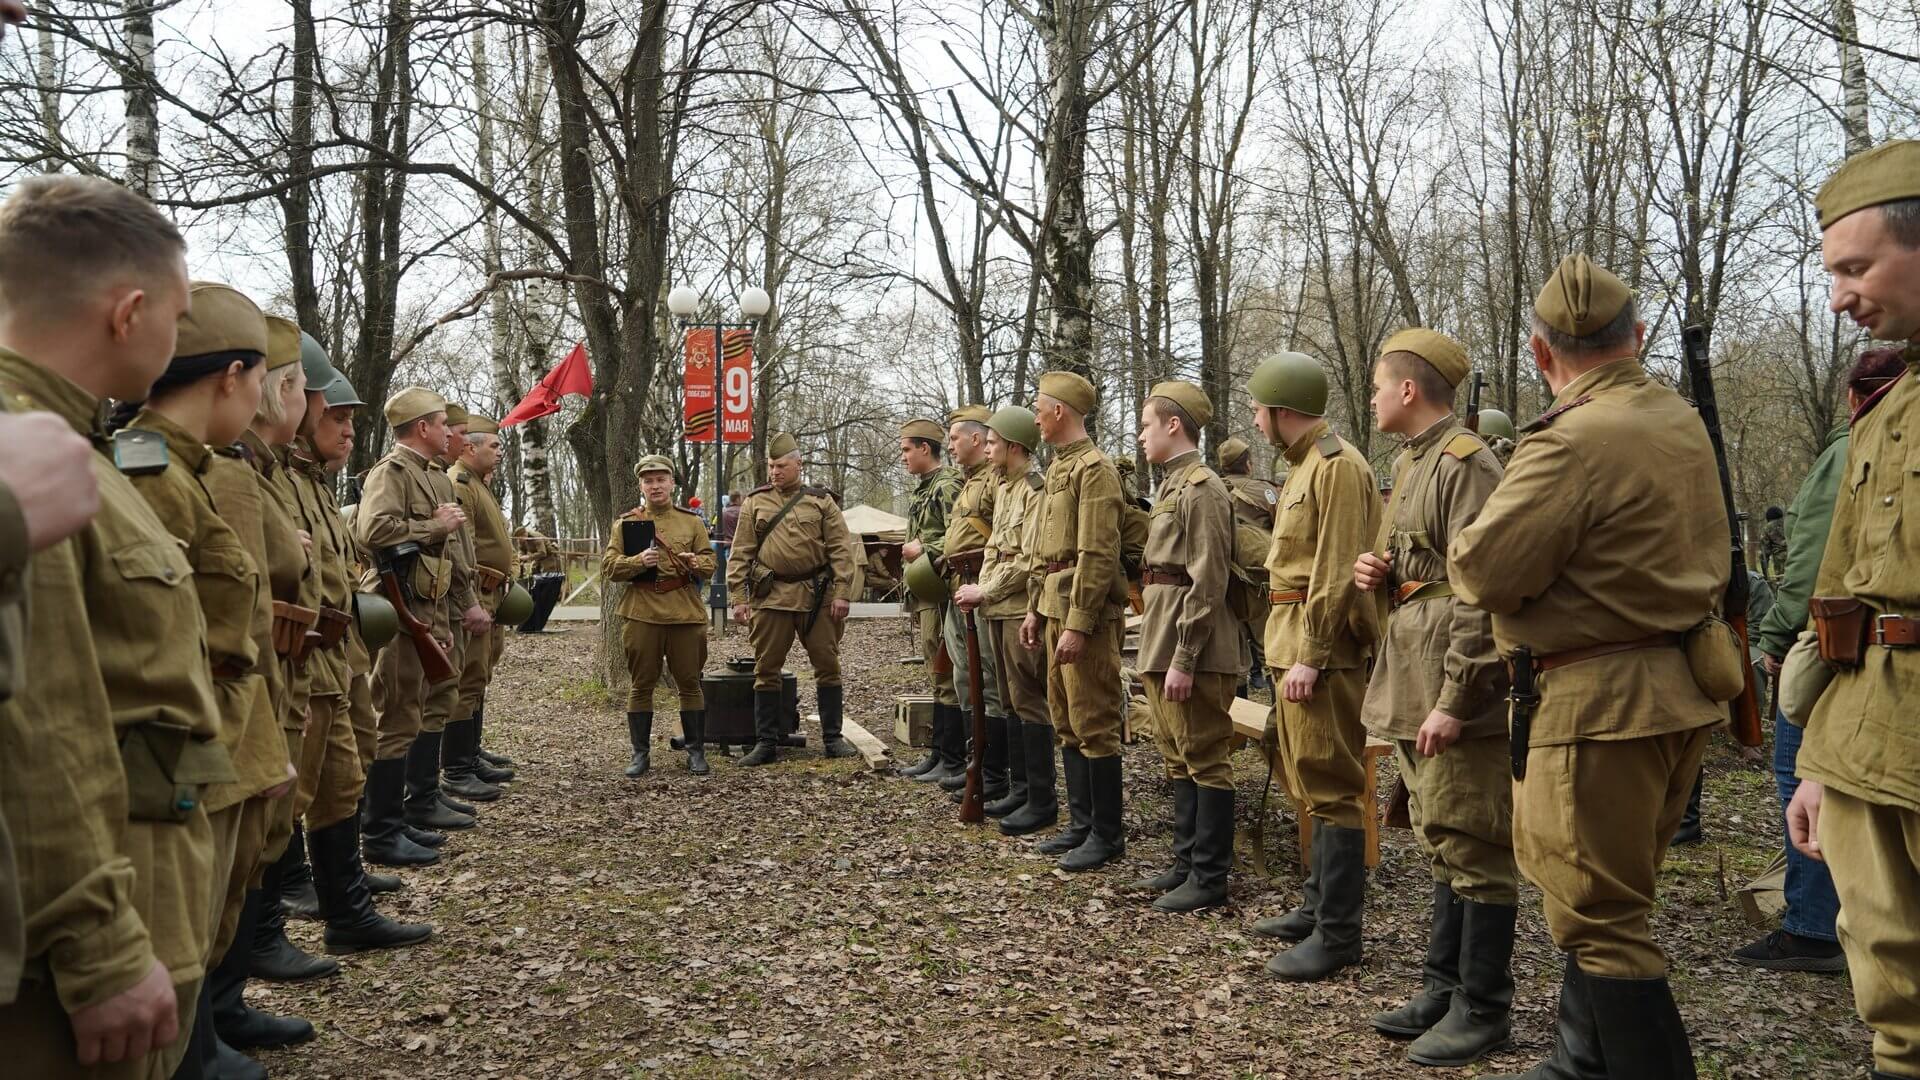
(1250, 723)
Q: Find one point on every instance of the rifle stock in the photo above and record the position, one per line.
(973, 808)
(434, 663)
(1473, 401)
(1745, 709)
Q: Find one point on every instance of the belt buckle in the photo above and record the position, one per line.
(1880, 627)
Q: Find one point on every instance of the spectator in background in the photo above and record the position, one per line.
(730, 516)
(1773, 544)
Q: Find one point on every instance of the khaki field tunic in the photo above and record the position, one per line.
(811, 538)
(1329, 513)
(1189, 628)
(669, 598)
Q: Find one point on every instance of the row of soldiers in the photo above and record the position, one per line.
(195, 703)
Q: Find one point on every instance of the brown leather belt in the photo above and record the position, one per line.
(1157, 576)
(1894, 631)
(1575, 656)
(1289, 596)
(794, 579)
(1412, 590)
(1063, 564)
(664, 585)
(230, 669)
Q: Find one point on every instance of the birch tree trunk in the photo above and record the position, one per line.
(143, 110)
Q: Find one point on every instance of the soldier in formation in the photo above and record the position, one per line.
(935, 486)
(969, 524)
(1255, 502)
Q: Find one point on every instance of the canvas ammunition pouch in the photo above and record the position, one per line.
(1804, 676)
(166, 768)
(1714, 656)
(1841, 622)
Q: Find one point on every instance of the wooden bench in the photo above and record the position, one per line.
(1250, 723)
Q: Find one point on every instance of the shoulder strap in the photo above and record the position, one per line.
(1328, 445)
(1198, 474)
(1551, 415)
(783, 512)
(1463, 446)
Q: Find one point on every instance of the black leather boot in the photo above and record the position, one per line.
(378, 884)
(766, 729)
(1186, 800)
(1477, 1021)
(1212, 857)
(1107, 840)
(1297, 924)
(424, 808)
(492, 768)
(640, 734)
(993, 766)
(296, 885)
(386, 840)
(1042, 807)
(950, 742)
(1014, 739)
(832, 716)
(208, 1057)
(1079, 805)
(274, 958)
(1440, 974)
(459, 747)
(1641, 1034)
(693, 730)
(1690, 830)
(233, 1022)
(346, 904)
(1335, 941)
(931, 759)
(1576, 1048)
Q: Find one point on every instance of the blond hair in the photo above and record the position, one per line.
(273, 405)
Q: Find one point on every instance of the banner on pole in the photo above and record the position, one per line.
(735, 385)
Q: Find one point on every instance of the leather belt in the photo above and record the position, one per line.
(1591, 652)
(1894, 631)
(1409, 591)
(1063, 564)
(794, 579)
(1287, 596)
(665, 585)
(1154, 575)
(230, 669)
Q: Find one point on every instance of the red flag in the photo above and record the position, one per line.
(574, 375)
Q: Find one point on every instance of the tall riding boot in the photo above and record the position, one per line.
(950, 740)
(208, 1057)
(274, 958)
(1477, 1021)
(296, 885)
(1690, 830)
(640, 734)
(424, 810)
(234, 1023)
(832, 714)
(1016, 753)
(766, 729)
(1297, 924)
(1576, 1048)
(386, 841)
(1186, 801)
(1440, 975)
(693, 735)
(1079, 805)
(346, 904)
(484, 764)
(459, 747)
(1206, 884)
(1335, 941)
(931, 759)
(993, 764)
(1641, 1034)
(1107, 840)
(1042, 807)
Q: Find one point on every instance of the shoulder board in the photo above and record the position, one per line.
(1328, 445)
(687, 510)
(1548, 417)
(137, 452)
(1463, 446)
(761, 488)
(236, 451)
(1036, 481)
(634, 514)
(817, 492)
(1199, 474)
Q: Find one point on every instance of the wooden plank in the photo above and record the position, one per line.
(1250, 723)
(864, 741)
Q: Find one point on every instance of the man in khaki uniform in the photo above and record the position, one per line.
(1002, 595)
(401, 505)
(1605, 543)
(467, 774)
(1437, 694)
(791, 574)
(114, 856)
(429, 806)
(1255, 500)
(663, 618)
(1858, 805)
(1190, 650)
(1074, 612)
(935, 486)
(969, 523)
(1319, 637)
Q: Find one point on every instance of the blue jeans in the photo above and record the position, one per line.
(1812, 904)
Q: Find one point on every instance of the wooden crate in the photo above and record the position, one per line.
(913, 719)
(1250, 721)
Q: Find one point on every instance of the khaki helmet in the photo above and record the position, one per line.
(924, 582)
(516, 607)
(379, 623)
(1290, 380)
(1495, 424)
(1015, 424)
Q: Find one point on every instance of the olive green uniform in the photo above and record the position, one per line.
(1863, 740)
(13, 625)
(927, 510)
(331, 775)
(1006, 576)
(114, 853)
(492, 576)
(773, 574)
(1080, 588)
(1329, 513)
(1607, 529)
(396, 506)
(1188, 625)
(1438, 653)
(663, 618)
(463, 592)
(969, 523)
(1255, 501)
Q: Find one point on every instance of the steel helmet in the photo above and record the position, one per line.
(379, 623)
(516, 607)
(1014, 423)
(1290, 380)
(1495, 424)
(924, 582)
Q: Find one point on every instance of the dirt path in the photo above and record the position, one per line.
(813, 919)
